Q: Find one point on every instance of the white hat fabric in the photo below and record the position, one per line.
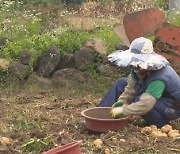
(140, 54)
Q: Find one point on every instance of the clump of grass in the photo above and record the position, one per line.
(36, 144)
(23, 121)
(174, 17)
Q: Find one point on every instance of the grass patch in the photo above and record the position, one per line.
(23, 121)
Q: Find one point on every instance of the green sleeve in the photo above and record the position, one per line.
(156, 88)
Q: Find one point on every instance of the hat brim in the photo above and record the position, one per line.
(152, 61)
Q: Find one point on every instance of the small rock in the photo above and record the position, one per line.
(3, 41)
(107, 151)
(121, 46)
(114, 139)
(25, 57)
(4, 64)
(98, 45)
(122, 140)
(98, 143)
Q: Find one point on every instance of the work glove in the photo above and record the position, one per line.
(117, 110)
(117, 104)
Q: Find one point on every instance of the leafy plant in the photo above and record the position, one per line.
(163, 4)
(174, 17)
(36, 144)
(34, 26)
(71, 41)
(3, 77)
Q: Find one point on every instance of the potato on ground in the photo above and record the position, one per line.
(158, 133)
(174, 133)
(153, 127)
(146, 130)
(98, 143)
(166, 128)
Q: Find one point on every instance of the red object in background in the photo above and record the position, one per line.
(152, 22)
(143, 23)
(71, 148)
(167, 42)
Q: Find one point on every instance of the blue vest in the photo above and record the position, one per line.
(168, 76)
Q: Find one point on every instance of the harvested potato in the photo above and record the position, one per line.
(153, 127)
(146, 130)
(98, 143)
(158, 133)
(166, 128)
(163, 135)
(173, 131)
(155, 132)
(174, 135)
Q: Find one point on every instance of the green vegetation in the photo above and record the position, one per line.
(163, 4)
(174, 17)
(28, 35)
(23, 121)
(36, 144)
(68, 42)
(36, 25)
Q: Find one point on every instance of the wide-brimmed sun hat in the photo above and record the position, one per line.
(140, 54)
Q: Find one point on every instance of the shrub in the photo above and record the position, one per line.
(163, 4)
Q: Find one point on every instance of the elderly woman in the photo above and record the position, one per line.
(152, 89)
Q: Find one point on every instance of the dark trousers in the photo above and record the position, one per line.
(161, 113)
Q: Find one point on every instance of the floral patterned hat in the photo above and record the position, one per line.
(140, 54)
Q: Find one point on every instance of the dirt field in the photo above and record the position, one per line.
(31, 112)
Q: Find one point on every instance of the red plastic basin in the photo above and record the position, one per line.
(99, 119)
(71, 148)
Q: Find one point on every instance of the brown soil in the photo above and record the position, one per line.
(56, 112)
(29, 112)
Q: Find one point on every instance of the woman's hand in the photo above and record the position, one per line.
(117, 110)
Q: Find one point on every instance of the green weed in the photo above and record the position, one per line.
(174, 17)
(23, 121)
(36, 144)
(26, 29)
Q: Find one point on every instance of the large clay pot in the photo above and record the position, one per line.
(99, 119)
(71, 148)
